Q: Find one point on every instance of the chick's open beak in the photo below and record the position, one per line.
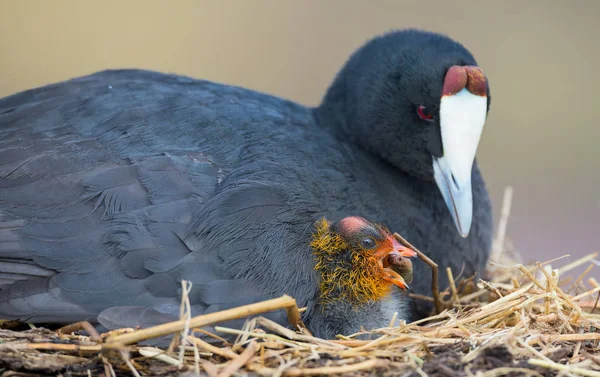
(395, 263)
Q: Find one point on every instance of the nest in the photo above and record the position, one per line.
(530, 320)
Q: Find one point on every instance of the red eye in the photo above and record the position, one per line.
(424, 113)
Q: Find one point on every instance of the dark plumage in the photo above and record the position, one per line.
(115, 186)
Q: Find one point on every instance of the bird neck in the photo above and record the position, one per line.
(349, 275)
(332, 112)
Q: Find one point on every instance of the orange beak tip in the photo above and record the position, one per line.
(403, 250)
(409, 253)
(397, 279)
(403, 286)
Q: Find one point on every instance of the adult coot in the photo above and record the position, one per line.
(115, 186)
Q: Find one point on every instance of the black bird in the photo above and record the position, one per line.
(116, 186)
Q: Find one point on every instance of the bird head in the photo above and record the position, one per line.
(419, 101)
(358, 261)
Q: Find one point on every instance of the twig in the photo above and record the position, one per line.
(498, 245)
(227, 353)
(261, 335)
(211, 335)
(595, 303)
(55, 347)
(585, 294)
(369, 364)
(393, 319)
(210, 368)
(570, 337)
(235, 364)
(158, 354)
(434, 272)
(544, 318)
(505, 371)
(196, 360)
(576, 350)
(531, 277)
(124, 330)
(452, 286)
(577, 263)
(566, 368)
(581, 276)
(109, 371)
(276, 327)
(84, 325)
(594, 284)
(185, 314)
(417, 296)
(125, 356)
(203, 320)
(469, 298)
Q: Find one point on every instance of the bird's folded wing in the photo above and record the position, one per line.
(116, 186)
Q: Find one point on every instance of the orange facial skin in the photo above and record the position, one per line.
(359, 261)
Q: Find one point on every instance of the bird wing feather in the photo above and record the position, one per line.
(106, 203)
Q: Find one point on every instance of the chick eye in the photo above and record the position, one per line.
(424, 113)
(368, 243)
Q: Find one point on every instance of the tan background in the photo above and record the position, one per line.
(541, 58)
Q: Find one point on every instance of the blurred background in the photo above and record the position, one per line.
(541, 58)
